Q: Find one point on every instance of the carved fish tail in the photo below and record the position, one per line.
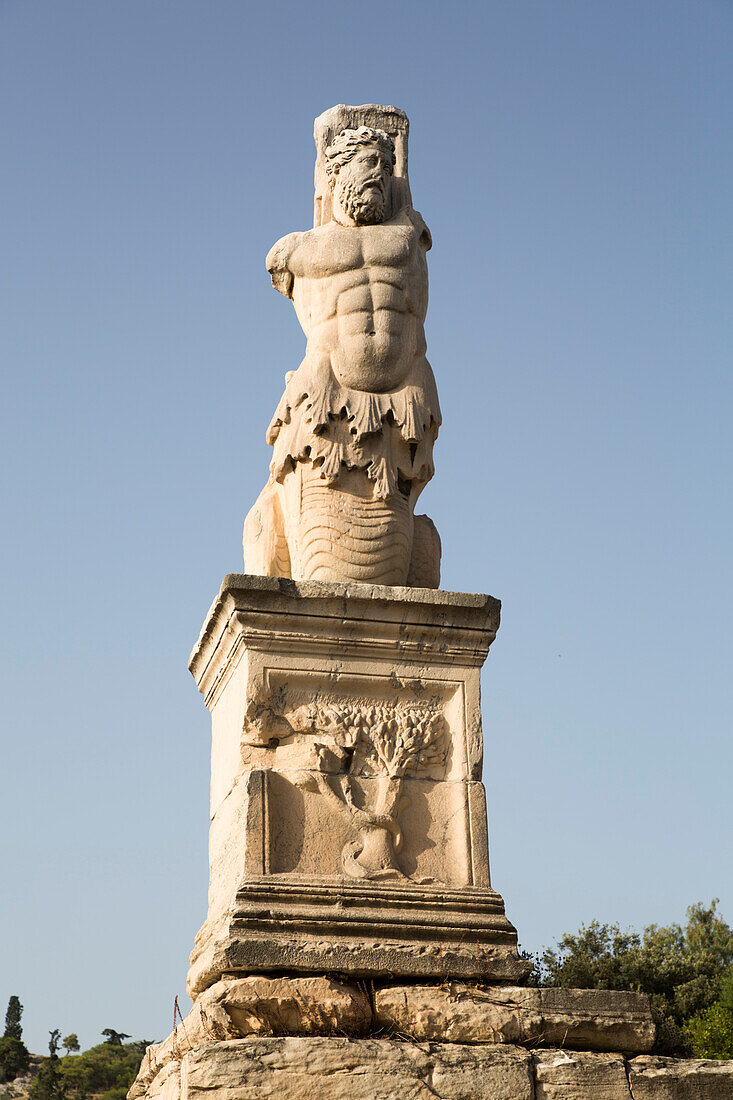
(343, 536)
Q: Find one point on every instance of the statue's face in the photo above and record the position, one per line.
(362, 185)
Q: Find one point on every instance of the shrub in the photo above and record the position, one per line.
(14, 1059)
(107, 1068)
(682, 969)
(712, 1033)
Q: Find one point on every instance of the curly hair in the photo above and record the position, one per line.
(346, 145)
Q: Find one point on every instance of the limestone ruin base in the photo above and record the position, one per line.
(318, 1038)
(338, 1068)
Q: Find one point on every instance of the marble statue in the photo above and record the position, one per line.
(354, 431)
(354, 946)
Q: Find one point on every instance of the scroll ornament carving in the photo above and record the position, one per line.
(379, 741)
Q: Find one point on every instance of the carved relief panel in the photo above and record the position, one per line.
(365, 785)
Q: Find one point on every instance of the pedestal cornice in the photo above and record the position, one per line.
(367, 620)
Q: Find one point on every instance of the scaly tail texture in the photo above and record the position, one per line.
(344, 536)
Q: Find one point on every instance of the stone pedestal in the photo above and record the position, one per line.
(348, 818)
(314, 1044)
(320, 1038)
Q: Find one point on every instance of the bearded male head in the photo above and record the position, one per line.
(359, 164)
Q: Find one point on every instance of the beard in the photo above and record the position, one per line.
(365, 205)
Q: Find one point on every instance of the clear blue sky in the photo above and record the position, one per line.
(574, 161)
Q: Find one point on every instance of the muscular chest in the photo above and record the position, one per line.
(341, 250)
(388, 246)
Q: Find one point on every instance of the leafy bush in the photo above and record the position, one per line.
(14, 1058)
(712, 1030)
(712, 1033)
(114, 1094)
(680, 968)
(104, 1069)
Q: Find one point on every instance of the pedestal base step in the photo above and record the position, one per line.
(365, 930)
(465, 1029)
(339, 1068)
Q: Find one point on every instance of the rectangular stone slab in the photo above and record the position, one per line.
(581, 1019)
(578, 1075)
(345, 1069)
(337, 1068)
(597, 1019)
(348, 818)
(656, 1078)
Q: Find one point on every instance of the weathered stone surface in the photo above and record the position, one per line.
(354, 1069)
(348, 819)
(597, 1019)
(458, 1013)
(578, 1075)
(584, 1019)
(166, 1085)
(257, 1005)
(340, 1068)
(655, 1078)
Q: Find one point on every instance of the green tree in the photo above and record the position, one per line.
(712, 1030)
(104, 1069)
(14, 1059)
(48, 1083)
(115, 1038)
(70, 1043)
(712, 1033)
(14, 1056)
(13, 1030)
(681, 968)
(726, 991)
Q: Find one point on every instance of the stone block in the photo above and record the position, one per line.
(348, 818)
(579, 1075)
(582, 1019)
(458, 1013)
(656, 1078)
(256, 1005)
(167, 1084)
(259, 1005)
(354, 1069)
(597, 1019)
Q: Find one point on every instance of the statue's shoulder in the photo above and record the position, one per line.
(417, 221)
(279, 258)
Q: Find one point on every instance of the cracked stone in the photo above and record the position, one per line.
(656, 1078)
(583, 1019)
(257, 1005)
(580, 1075)
(354, 1069)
